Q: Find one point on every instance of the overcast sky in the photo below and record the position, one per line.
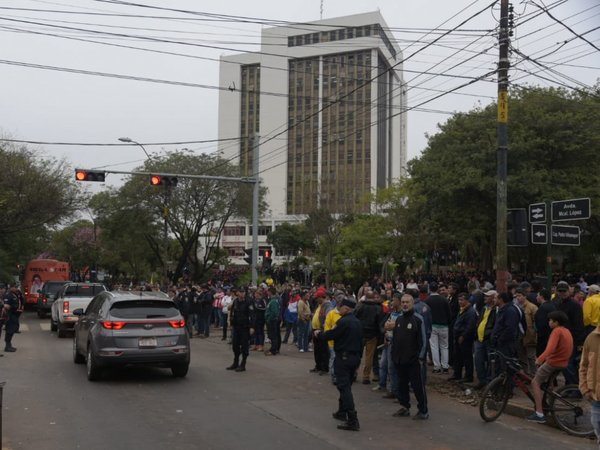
(57, 106)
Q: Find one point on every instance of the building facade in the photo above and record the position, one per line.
(327, 101)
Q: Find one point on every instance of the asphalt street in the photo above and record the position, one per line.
(48, 404)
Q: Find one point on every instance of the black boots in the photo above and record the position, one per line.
(340, 414)
(351, 423)
(242, 367)
(236, 363)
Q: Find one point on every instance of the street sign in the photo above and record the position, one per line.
(565, 235)
(574, 209)
(539, 233)
(537, 212)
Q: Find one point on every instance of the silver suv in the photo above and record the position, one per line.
(124, 328)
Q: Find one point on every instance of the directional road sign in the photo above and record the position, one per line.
(537, 212)
(574, 209)
(539, 233)
(565, 235)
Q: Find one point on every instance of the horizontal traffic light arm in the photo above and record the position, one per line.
(249, 180)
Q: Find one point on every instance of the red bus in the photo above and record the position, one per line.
(37, 272)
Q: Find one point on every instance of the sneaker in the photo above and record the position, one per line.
(535, 418)
(436, 371)
(377, 388)
(388, 395)
(301, 350)
(402, 412)
(445, 370)
(421, 416)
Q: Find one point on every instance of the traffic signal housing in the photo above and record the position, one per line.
(90, 175)
(161, 180)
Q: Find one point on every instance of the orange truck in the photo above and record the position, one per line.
(37, 272)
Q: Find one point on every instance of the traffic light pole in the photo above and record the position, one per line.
(255, 195)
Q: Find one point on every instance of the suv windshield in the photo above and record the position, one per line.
(144, 309)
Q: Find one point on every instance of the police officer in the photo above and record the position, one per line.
(241, 319)
(347, 343)
(12, 305)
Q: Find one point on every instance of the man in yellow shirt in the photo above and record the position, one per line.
(487, 317)
(591, 309)
(330, 320)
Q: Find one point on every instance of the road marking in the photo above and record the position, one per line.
(23, 327)
(45, 326)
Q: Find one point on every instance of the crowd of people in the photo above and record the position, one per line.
(394, 330)
(405, 326)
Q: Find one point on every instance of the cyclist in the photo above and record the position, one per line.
(554, 358)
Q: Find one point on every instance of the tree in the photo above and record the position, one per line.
(288, 239)
(37, 193)
(194, 212)
(553, 137)
(325, 230)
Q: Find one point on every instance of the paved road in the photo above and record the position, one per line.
(276, 404)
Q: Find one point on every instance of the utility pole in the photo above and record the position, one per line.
(255, 147)
(502, 153)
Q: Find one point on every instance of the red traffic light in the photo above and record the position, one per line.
(90, 175)
(162, 180)
(267, 254)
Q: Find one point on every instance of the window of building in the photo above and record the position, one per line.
(234, 231)
(290, 41)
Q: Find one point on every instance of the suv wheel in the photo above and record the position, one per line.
(93, 371)
(77, 358)
(52, 325)
(180, 370)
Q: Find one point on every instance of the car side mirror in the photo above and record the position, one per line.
(78, 312)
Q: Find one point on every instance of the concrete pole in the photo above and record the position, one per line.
(502, 273)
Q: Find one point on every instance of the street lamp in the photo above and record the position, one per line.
(131, 141)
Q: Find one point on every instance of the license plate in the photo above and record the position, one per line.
(148, 342)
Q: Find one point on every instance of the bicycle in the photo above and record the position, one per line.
(565, 405)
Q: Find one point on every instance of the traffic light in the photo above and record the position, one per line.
(90, 175)
(161, 180)
(516, 228)
(267, 254)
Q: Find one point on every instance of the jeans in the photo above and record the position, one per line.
(383, 366)
(482, 361)
(259, 333)
(303, 335)
(290, 327)
(331, 365)
(571, 373)
(595, 419)
(439, 347)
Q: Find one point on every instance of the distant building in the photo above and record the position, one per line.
(327, 100)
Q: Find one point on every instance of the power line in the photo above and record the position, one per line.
(91, 144)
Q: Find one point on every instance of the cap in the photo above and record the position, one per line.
(349, 303)
(593, 288)
(562, 286)
(320, 293)
(490, 293)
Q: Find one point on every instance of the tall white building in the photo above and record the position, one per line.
(327, 99)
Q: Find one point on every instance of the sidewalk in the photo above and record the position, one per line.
(519, 405)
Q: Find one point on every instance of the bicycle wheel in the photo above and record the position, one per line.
(494, 398)
(571, 411)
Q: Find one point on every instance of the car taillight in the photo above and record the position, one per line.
(110, 325)
(177, 323)
(44, 300)
(65, 307)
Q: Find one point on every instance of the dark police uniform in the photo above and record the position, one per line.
(12, 321)
(347, 343)
(242, 319)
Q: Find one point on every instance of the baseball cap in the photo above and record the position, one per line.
(593, 288)
(490, 292)
(562, 286)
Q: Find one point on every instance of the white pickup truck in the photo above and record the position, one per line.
(71, 297)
